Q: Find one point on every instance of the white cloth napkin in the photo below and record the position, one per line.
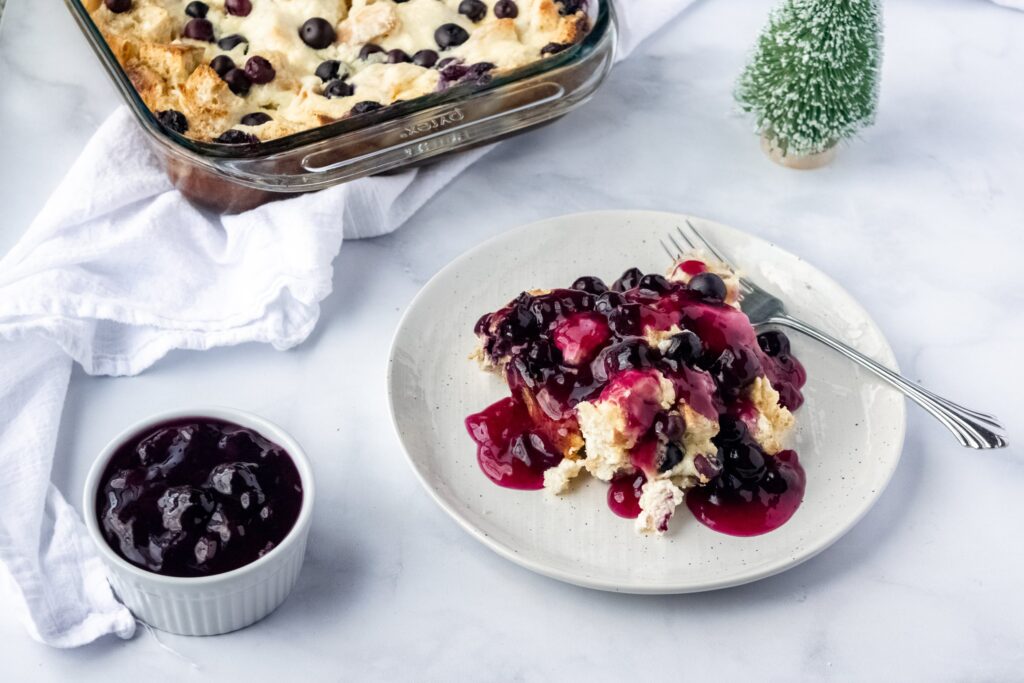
(119, 269)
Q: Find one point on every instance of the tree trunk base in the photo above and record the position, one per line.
(797, 161)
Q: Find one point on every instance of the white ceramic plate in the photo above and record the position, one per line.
(849, 434)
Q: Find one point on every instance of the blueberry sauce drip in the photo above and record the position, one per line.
(589, 342)
(197, 496)
(624, 494)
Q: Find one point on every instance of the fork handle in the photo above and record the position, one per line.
(971, 428)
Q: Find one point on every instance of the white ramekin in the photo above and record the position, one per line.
(207, 605)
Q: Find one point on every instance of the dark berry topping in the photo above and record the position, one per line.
(591, 284)
(774, 343)
(672, 457)
(709, 286)
(397, 56)
(365, 107)
(257, 118)
(506, 9)
(259, 69)
(450, 35)
(237, 137)
(446, 61)
(369, 49)
(628, 280)
(625, 320)
(172, 120)
(608, 302)
(554, 48)
(222, 64)
(653, 285)
(730, 429)
(118, 6)
(745, 460)
(240, 8)
(317, 33)
(199, 29)
(338, 88)
(328, 71)
(630, 354)
(685, 348)
(197, 10)
(670, 425)
(474, 10)
(425, 58)
(228, 43)
(238, 82)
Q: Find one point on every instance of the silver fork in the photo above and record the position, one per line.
(971, 428)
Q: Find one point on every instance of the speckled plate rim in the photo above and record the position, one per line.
(885, 355)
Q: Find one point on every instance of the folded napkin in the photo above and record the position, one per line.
(119, 269)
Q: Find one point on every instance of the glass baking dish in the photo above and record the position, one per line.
(230, 179)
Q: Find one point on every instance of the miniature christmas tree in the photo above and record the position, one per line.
(813, 80)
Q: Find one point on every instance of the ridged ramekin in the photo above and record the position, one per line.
(207, 605)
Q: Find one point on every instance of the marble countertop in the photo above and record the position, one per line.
(921, 219)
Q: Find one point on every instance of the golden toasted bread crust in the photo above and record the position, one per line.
(172, 72)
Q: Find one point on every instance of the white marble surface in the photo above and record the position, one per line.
(921, 219)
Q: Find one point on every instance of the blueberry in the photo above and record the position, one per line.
(425, 58)
(118, 6)
(365, 107)
(669, 425)
(397, 56)
(709, 286)
(239, 8)
(197, 10)
(228, 43)
(257, 118)
(222, 64)
(554, 48)
(570, 7)
(506, 9)
(474, 10)
(259, 69)
(237, 137)
(608, 302)
(673, 456)
(338, 88)
(369, 49)
(199, 29)
(172, 120)
(709, 468)
(589, 283)
(653, 285)
(317, 33)
(328, 70)
(773, 482)
(624, 321)
(238, 81)
(532, 451)
(446, 62)
(773, 343)
(744, 461)
(734, 370)
(450, 35)
(731, 429)
(684, 347)
(628, 280)
(631, 354)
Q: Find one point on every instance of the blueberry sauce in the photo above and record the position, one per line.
(510, 452)
(590, 342)
(197, 496)
(624, 494)
(753, 504)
